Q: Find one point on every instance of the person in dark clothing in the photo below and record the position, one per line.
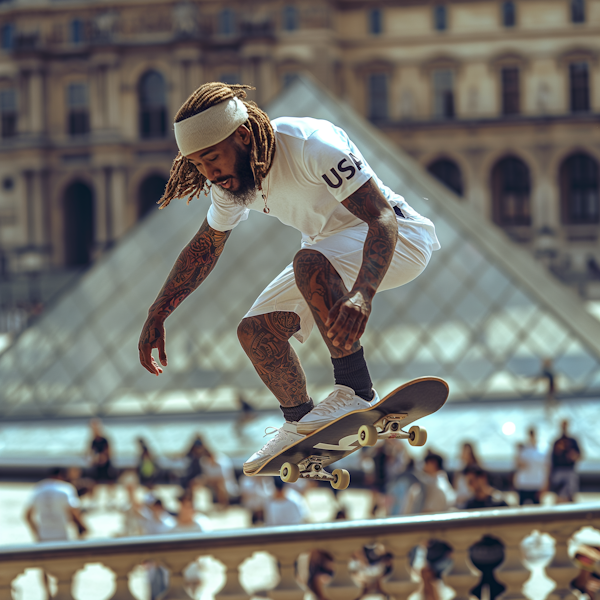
(484, 495)
(102, 471)
(564, 481)
(147, 467)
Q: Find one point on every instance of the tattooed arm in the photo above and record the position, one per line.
(348, 316)
(192, 267)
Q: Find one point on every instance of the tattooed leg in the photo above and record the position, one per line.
(322, 287)
(265, 341)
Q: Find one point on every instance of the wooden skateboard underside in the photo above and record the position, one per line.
(413, 400)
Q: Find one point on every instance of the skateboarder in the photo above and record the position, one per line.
(358, 238)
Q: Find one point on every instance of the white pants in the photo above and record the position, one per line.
(344, 250)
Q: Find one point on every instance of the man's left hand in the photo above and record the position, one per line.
(348, 318)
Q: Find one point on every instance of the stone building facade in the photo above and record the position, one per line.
(500, 100)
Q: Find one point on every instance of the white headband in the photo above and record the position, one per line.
(211, 126)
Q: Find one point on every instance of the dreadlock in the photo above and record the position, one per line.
(185, 179)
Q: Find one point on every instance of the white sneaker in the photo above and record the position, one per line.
(340, 402)
(286, 436)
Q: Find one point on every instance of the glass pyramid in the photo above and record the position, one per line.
(483, 315)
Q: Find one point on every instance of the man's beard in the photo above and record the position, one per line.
(243, 173)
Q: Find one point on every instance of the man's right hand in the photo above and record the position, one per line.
(152, 336)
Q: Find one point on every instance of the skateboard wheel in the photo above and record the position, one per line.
(418, 436)
(289, 472)
(341, 479)
(367, 435)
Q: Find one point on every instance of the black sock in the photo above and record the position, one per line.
(352, 371)
(295, 413)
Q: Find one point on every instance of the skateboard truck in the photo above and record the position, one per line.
(388, 427)
(312, 468)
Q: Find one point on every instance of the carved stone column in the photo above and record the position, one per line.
(287, 588)
(176, 563)
(400, 582)
(512, 572)
(561, 569)
(64, 571)
(8, 573)
(232, 590)
(461, 578)
(342, 587)
(121, 567)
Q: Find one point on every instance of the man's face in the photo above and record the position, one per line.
(227, 165)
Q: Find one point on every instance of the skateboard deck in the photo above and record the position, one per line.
(309, 457)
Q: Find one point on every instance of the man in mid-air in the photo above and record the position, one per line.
(358, 238)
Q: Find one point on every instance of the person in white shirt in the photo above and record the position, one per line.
(52, 511)
(53, 508)
(433, 492)
(532, 471)
(286, 507)
(358, 237)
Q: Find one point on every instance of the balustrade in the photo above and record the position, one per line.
(487, 555)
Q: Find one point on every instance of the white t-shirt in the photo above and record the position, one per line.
(532, 476)
(52, 500)
(290, 510)
(316, 167)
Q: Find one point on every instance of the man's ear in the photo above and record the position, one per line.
(244, 135)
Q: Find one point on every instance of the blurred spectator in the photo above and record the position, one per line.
(547, 373)
(314, 570)
(83, 485)
(100, 456)
(54, 505)
(383, 464)
(484, 495)
(398, 489)
(564, 481)
(532, 471)
(152, 516)
(369, 567)
(468, 458)
(285, 507)
(147, 466)
(246, 414)
(188, 520)
(193, 468)
(255, 491)
(218, 476)
(432, 492)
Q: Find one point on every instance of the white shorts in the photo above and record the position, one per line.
(344, 250)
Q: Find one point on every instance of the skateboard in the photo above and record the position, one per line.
(309, 457)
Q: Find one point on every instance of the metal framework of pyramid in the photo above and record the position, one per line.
(483, 315)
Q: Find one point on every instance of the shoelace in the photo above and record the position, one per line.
(272, 441)
(332, 403)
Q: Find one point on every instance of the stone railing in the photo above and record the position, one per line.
(491, 539)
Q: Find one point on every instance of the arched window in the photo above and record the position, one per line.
(511, 188)
(375, 21)
(290, 18)
(78, 207)
(448, 172)
(378, 96)
(578, 11)
(440, 17)
(580, 190)
(153, 105)
(226, 22)
(509, 14)
(150, 192)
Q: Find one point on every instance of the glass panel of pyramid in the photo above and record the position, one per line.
(483, 315)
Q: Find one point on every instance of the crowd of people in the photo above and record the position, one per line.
(399, 485)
